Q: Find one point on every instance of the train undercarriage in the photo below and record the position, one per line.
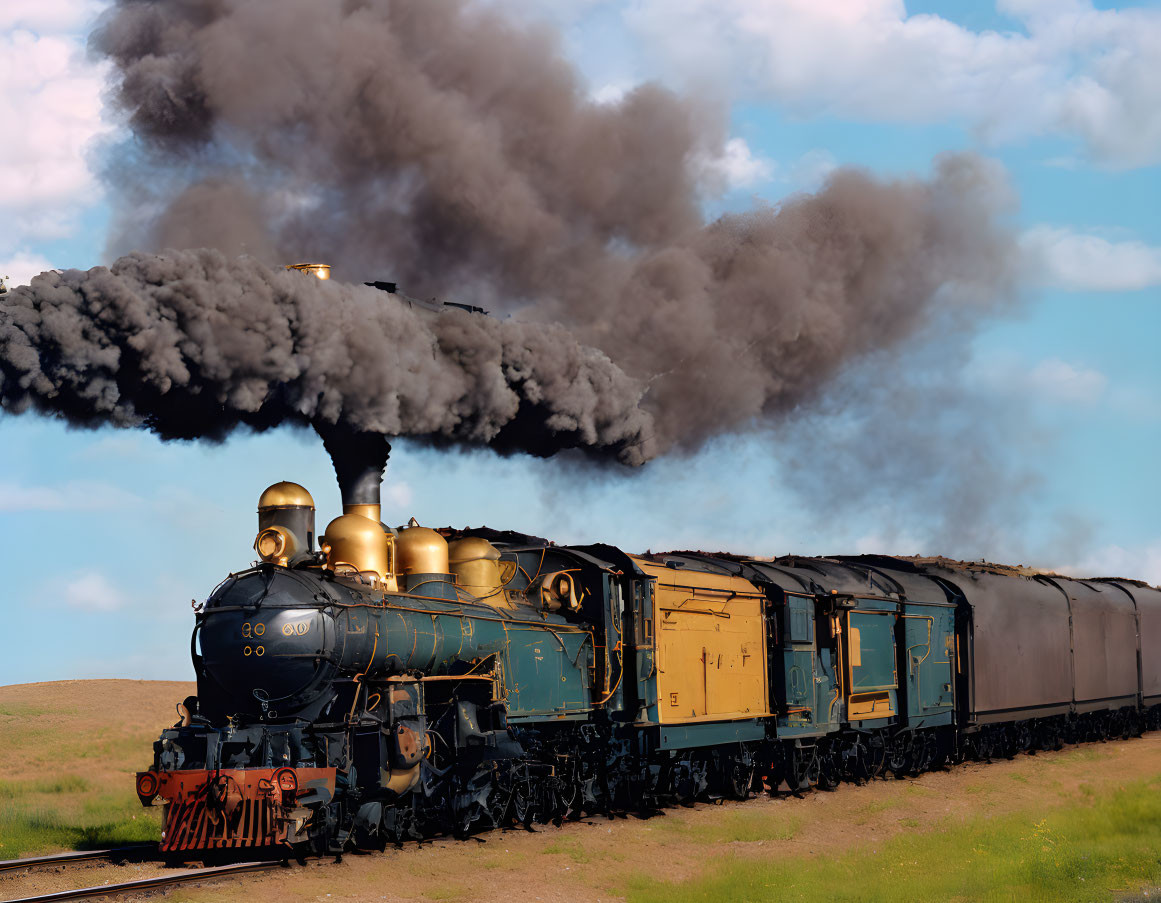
(546, 775)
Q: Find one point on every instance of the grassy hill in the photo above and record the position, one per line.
(68, 754)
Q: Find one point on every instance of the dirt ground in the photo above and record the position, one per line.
(43, 728)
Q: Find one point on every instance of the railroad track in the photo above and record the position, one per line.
(113, 854)
(120, 854)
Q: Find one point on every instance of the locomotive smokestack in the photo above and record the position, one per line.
(359, 459)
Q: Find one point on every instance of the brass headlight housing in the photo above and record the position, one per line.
(285, 523)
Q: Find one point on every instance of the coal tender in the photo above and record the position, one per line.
(399, 683)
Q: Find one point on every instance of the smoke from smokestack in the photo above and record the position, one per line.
(190, 344)
(359, 459)
(456, 150)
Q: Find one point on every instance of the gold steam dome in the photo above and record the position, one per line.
(475, 562)
(285, 495)
(421, 550)
(357, 546)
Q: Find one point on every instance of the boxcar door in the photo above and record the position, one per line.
(871, 673)
(928, 639)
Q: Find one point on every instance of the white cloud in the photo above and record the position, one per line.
(50, 107)
(1141, 563)
(1050, 380)
(736, 167)
(1061, 381)
(21, 267)
(611, 93)
(77, 496)
(1064, 258)
(42, 16)
(1073, 70)
(93, 592)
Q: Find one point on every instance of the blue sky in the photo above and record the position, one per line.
(108, 535)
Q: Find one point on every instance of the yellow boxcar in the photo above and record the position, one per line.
(710, 646)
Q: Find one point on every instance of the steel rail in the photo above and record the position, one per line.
(114, 853)
(190, 875)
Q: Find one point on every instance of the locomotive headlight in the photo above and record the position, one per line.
(270, 544)
(276, 545)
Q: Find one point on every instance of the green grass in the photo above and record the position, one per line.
(24, 830)
(64, 784)
(67, 812)
(752, 827)
(19, 710)
(874, 807)
(569, 848)
(1079, 852)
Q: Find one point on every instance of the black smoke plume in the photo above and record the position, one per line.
(192, 345)
(454, 149)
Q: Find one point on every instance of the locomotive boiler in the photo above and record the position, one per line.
(395, 683)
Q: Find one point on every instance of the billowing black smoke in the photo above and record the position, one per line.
(191, 344)
(359, 459)
(449, 147)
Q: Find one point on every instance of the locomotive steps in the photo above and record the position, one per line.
(95, 730)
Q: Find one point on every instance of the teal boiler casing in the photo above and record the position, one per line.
(260, 630)
(543, 662)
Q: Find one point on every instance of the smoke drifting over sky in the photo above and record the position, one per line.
(191, 344)
(443, 145)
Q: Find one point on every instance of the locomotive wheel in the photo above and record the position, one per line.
(856, 761)
(524, 799)
(1023, 736)
(830, 773)
(498, 801)
(898, 759)
(739, 778)
(689, 779)
(876, 755)
(567, 796)
(925, 759)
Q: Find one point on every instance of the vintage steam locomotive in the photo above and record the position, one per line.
(396, 683)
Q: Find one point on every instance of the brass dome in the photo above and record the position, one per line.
(421, 551)
(285, 495)
(355, 544)
(472, 548)
(476, 565)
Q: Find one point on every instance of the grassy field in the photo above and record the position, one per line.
(68, 753)
(1081, 824)
(1087, 851)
